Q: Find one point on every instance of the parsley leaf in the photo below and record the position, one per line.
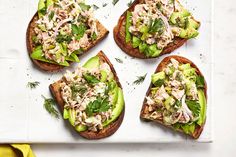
(97, 106)
(194, 106)
(157, 26)
(78, 30)
(140, 79)
(200, 82)
(49, 105)
(90, 78)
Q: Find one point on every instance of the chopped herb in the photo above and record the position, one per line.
(114, 2)
(78, 30)
(77, 89)
(95, 7)
(130, 3)
(33, 85)
(49, 105)
(157, 26)
(51, 15)
(140, 79)
(159, 82)
(194, 106)
(84, 6)
(61, 38)
(104, 4)
(200, 82)
(97, 106)
(119, 60)
(94, 36)
(90, 78)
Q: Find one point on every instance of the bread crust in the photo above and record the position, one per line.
(161, 66)
(111, 128)
(119, 37)
(103, 32)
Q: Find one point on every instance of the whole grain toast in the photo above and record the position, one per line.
(111, 128)
(119, 36)
(144, 112)
(102, 33)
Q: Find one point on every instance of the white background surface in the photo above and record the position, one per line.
(223, 108)
(25, 106)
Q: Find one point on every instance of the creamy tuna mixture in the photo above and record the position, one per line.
(88, 96)
(66, 27)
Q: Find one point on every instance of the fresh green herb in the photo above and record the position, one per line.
(157, 26)
(200, 82)
(114, 2)
(75, 89)
(94, 36)
(43, 11)
(84, 6)
(194, 106)
(130, 3)
(78, 30)
(61, 38)
(119, 60)
(90, 78)
(140, 79)
(97, 106)
(95, 7)
(159, 82)
(104, 4)
(177, 103)
(49, 105)
(33, 85)
(51, 15)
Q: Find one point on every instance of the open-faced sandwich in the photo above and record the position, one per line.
(150, 28)
(91, 98)
(60, 31)
(177, 96)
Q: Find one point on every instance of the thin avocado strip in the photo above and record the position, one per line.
(127, 26)
(202, 101)
(66, 114)
(92, 63)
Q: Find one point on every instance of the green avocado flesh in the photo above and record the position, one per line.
(116, 93)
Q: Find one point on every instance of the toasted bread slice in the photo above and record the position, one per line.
(144, 112)
(102, 33)
(119, 36)
(111, 128)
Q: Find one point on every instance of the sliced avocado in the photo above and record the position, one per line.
(115, 92)
(158, 78)
(41, 8)
(189, 72)
(65, 114)
(103, 76)
(93, 62)
(177, 17)
(118, 108)
(127, 26)
(72, 116)
(144, 30)
(188, 33)
(202, 101)
(185, 66)
(169, 102)
(153, 51)
(188, 128)
(193, 24)
(73, 57)
(81, 128)
(142, 47)
(49, 3)
(37, 54)
(135, 42)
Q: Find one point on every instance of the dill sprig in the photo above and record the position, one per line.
(130, 3)
(33, 85)
(114, 2)
(49, 105)
(119, 60)
(104, 4)
(140, 79)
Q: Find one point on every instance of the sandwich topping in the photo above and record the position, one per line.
(177, 96)
(89, 96)
(63, 30)
(152, 25)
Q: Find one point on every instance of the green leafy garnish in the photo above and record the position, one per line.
(75, 89)
(194, 106)
(130, 3)
(97, 106)
(51, 15)
(114, 2)
(157, 26)
(200, 82)
(94, 36)
(49, 105)
(119, 60)
(159, 82)
(63, 38)
(84, 6)
(33, 85)
(78, 30)
(90, 78)
(140, 79)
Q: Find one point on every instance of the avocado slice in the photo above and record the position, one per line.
(202, 101)
(49, 2)
(188, 33)
(153, 51)
(169, 102)
(135, 41)
(142, 47)
(81, 128)
(93, 62)
(72, 116)
(158, 78)
(103, 76)
(41, 8)
(189, 72)
(118, 108)
(193, 24)
(66, 114)
(179, 16)
(184, 66)
(115, 92)
(127, 26)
